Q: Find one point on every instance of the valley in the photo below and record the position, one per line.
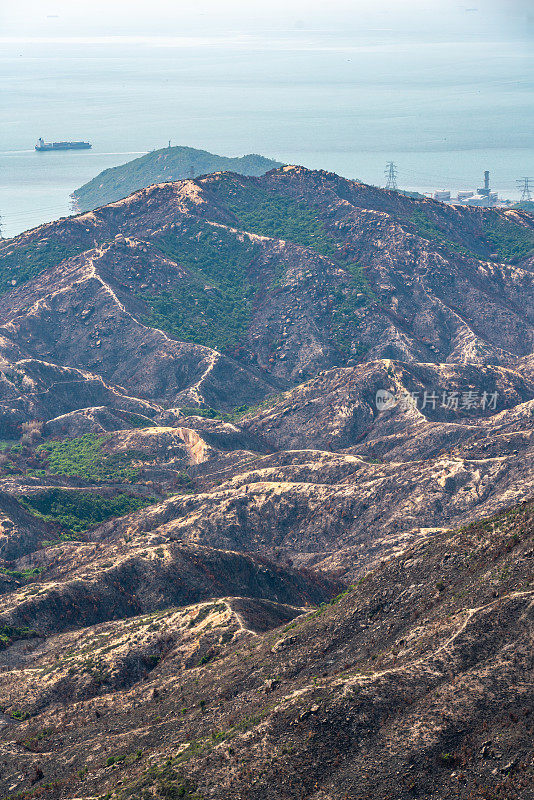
(229, 567)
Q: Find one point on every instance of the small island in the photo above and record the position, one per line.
(163, 166)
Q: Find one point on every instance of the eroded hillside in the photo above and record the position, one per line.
(248, 425)
(421, 673)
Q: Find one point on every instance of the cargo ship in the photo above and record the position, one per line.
(42, 145)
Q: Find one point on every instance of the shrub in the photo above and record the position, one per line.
(447, 759)
(32, 431)
(84, 457)
(79, 511)
(9, 634)
(213, 306)
(19, 714)
(271, 214)
(28, 261)
(510, 241)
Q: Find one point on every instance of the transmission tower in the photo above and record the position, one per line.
(524, 185)
(391, 175)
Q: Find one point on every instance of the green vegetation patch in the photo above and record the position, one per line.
(138, 421)
(427, 228)
(236, 414)
(346, 303)
(271, 214)
(205, 413)
(84, 457)
(28, 261)
(214, 305)
(500, 235)
(510, 241)
(22, 574)
(9, 634)
(79, 511)
(165, 782)
(124, 758)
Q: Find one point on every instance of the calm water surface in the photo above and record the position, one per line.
(443, 110)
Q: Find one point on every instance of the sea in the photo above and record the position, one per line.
(443, 108)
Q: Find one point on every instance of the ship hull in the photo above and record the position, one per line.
(44, 148)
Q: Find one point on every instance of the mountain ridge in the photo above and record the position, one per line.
(168, 164)
(341, 298)
(266, 496)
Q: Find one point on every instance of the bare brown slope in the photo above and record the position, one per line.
(417, 682)
(341, 483)
(338, 408)
(87, 583)
(322, 475)
(31, 389)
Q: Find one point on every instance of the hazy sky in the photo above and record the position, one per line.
(433, 19)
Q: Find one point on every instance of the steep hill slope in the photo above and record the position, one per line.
(416, 682)
(320, 474)
(159, 166)
(223, 402)
(228, 290)
(328, 271)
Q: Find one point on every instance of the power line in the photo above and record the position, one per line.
(434, 178)
(448, 180)
(524, 186)
(37, 212)
(391, 174)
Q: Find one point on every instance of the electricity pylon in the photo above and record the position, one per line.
(524, 185)
(391, 175)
